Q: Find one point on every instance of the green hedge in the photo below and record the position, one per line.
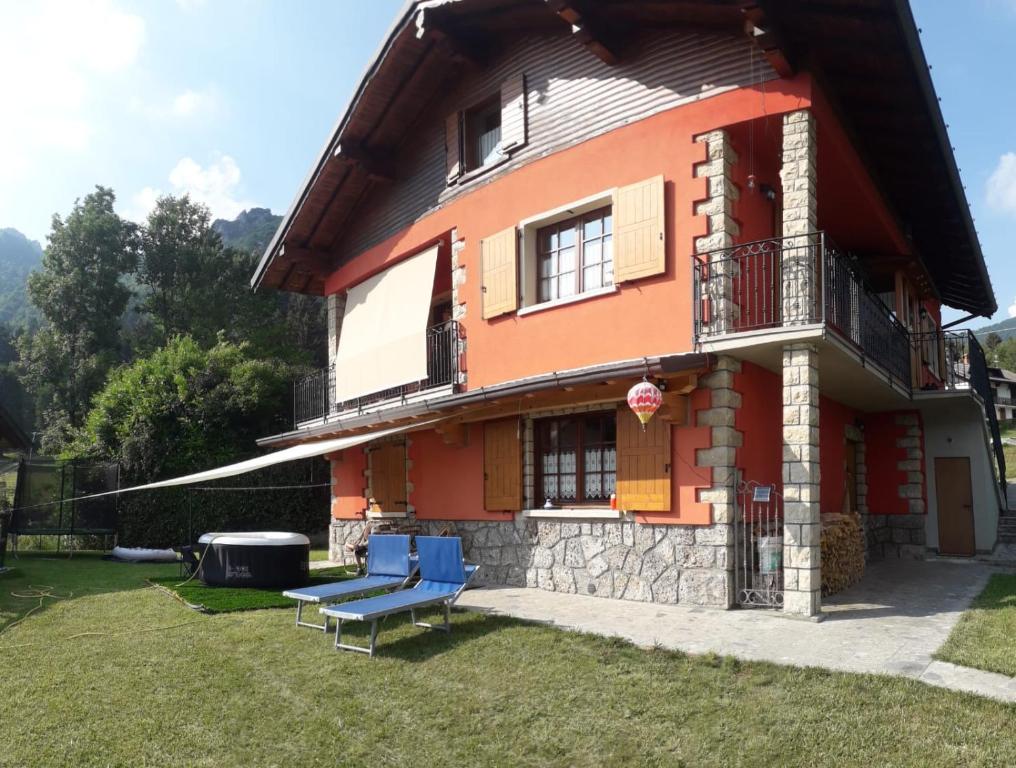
(171, 516)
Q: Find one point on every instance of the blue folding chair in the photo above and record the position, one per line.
(389, 566)
(443, 577)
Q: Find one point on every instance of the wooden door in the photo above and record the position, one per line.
(502, 466)
(955, 506)
(388, 478)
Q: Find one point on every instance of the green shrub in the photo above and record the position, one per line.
(169, 517)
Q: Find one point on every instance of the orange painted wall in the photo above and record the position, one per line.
(686, 479)
(833, 419)
(881, 458)
(448, 480)
(650, 316)
(348, 484)
(850, 207)
(760, 421)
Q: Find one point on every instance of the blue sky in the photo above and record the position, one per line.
(230, 100)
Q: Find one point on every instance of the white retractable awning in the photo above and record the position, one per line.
(305, 451)
(383, 343)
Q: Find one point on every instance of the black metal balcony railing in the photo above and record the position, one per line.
(796, 281)
(965, 367)
(314, 395)
(1003, 400)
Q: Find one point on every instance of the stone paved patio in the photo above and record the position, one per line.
(891, 623)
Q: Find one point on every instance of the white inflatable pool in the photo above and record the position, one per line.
(140, 555)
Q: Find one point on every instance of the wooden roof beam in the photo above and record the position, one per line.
(763, 31)
(313, 261)
(376, 166)
(454, 46)
(587, 30)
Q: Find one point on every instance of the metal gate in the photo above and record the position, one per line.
(758, 545)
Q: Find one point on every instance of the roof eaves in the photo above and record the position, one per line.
(910, 32)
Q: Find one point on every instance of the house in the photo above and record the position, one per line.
(1003, 387)
(530, 206)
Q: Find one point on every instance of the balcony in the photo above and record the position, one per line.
(314, 395)
(778, 290)
(961, 364)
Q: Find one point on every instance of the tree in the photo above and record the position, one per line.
(12, 394)
(184, 407)
(1005, 354)
(82, 297)
(179, 252)
(991, 345)
(195, 285)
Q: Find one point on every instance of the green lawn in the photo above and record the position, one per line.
(1010, 459)
(318, 554)
(122, 674)
(227, 599)
(985, 636)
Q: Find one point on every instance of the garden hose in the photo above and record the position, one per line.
(35, 592)
(197, 568)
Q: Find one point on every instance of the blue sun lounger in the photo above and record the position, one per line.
(443, 576)
(389, 566)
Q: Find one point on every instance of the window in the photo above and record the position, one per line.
(576, 458)
(482, 134)
(575, 255)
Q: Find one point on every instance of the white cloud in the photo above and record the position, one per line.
(190, 5)
(1012, 309)
(191, 102)
(54, 54)
(1001, 188)
(216, 185)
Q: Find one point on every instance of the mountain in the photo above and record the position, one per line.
(18, 257)
(1006, 329)
(250, 231)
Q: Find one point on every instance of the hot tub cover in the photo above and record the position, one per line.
(255, 538)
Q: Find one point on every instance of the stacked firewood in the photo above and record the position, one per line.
(842, 552)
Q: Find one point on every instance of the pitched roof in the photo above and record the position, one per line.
(865, 53)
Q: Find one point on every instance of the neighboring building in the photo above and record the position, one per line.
(527, 207)
(1003, 388)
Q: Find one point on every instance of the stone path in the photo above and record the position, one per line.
(891, 623)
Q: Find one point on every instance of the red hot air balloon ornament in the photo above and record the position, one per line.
(644, 399)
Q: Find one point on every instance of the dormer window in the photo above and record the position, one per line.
(482, 134)
(485, 134)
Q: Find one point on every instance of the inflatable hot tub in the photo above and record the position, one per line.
(267, 559)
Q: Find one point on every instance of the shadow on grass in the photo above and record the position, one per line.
(233, 599)
(421, 643)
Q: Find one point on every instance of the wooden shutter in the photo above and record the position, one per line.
(638, 231)
(513, 112)
(453, 146)
(388, 477)
(643, 463)
(502, 466)
(498, 264)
